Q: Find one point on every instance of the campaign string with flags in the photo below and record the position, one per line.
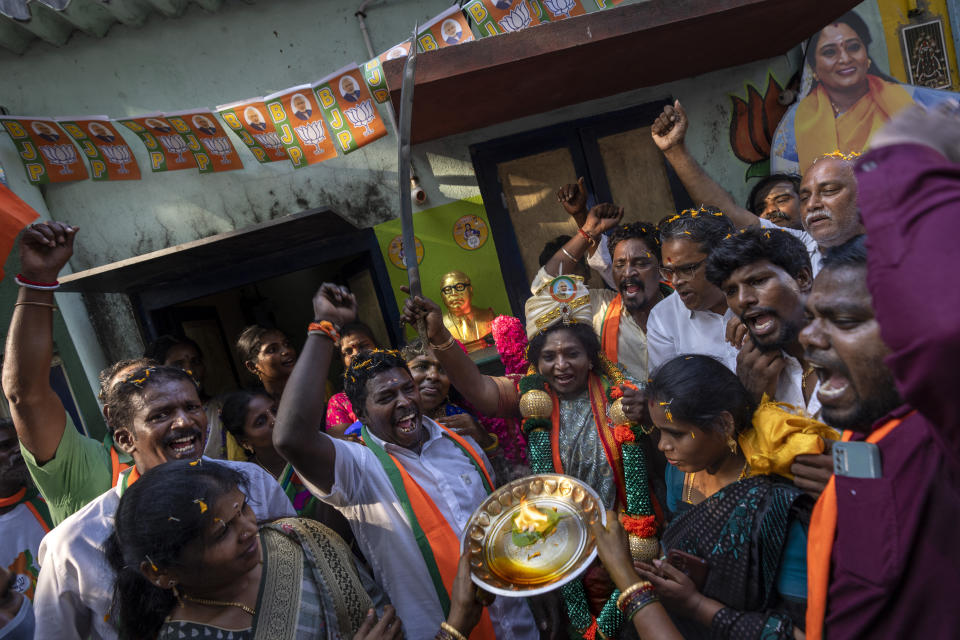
(305, 124)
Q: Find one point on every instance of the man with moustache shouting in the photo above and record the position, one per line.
(884, 338)
(619, 317)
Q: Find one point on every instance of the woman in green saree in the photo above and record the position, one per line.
(191, 562)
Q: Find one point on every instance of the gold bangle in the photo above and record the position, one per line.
(452, 631)
(443, 347)
(496, 443)
(37, 304)
(636, 586)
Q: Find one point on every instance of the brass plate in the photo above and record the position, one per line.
(503, 568)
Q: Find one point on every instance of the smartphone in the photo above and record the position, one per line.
(856, 460)
(695, 568)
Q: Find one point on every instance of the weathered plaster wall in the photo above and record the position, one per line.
(252, 49)
(201, 60)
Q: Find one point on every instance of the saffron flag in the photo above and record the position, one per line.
(249, 121)
(348, 107)
(169, 150)
(15, 214)
(47, 153)
(494, 17)
(203, 126)
(446, 30)
(108, 154)
(373, 71)
(300, 125)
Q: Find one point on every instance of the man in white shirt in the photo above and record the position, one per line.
(829, 212)
(694, 319)
(448, 475)
(158, 413)
(766, 277)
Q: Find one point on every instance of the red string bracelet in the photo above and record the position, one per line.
(33, 284)
(586, 236)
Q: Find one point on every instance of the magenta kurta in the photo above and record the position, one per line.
(895, 567)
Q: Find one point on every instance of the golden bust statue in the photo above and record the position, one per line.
(466, 323)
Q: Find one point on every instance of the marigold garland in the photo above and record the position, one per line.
(643, 526)
(623, 433)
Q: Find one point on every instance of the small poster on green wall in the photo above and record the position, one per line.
(447, 248)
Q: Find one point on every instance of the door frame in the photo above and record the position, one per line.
(580, 138)
(361, 243)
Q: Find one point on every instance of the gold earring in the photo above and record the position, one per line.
(732, 444)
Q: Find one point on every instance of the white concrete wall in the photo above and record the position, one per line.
(244, 50)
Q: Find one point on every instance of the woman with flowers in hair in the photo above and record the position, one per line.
(748, 529)
(581, 417)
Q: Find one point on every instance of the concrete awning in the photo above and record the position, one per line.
(280, 241)
(501, 78)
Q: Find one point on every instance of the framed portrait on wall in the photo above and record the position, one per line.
(925, 53)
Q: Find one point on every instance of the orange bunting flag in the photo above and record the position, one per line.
(47, 153)
(15, 214)
(300, 125)
(494, 17)
(169, 149)
(204, 127)
(349, 109)
(446, 30)
(373, 71)
(108, 154)
(249, 121)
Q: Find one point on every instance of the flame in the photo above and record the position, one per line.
(531, 519)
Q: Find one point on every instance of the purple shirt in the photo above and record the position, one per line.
(895, 567)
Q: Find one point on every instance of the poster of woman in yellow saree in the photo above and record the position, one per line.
(847, 97)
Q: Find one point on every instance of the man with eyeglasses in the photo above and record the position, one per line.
(620, 316)
(464, 322)
(694, 321)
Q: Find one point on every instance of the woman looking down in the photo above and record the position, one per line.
(747, 529)
(190, 559)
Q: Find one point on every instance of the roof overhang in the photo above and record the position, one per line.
(284, 241)
(596, 55)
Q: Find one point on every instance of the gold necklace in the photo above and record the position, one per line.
(690, 477)
(806, 374)
(219, 603)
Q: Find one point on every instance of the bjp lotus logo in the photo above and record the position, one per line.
(753, 124)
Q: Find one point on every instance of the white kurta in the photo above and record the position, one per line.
(363, 493)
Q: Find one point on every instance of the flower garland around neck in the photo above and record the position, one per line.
(538, 402)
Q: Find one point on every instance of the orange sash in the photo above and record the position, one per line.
(823, 528)
(610, 330)
(117, 467)
(440, 535)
